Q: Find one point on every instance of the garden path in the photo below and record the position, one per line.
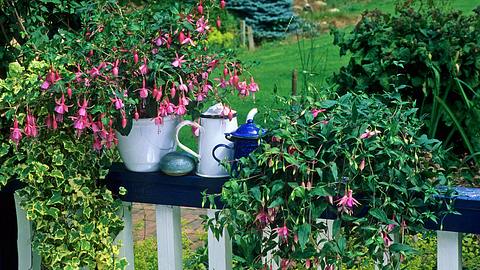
(144, 223)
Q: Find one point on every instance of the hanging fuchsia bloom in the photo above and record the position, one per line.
(144, 68)
(78, 74)
(115, 68)
(315, 112)
(219, 22)
(282, 232)
(329, 267)
(136, 115)
(181, 37)
(182, 86)
(362, 165)
(285, 264)
(222, 4)
(82, 111)
(15, 132)
(143, 92)
(45, 85)
(223, 83)
(61, 107)
(188, 39)
(181, 110)
(253, 86)
(118, 103)
(243, 89)
(369, 134)
(80, 123)
(347, 202)
(178, 61)
(387, 240)
(135, 57)
(159, 119)
(31, 126)
(161, 40)
(200, 8)
(157, 93)
(265, 217)
(97, 143)
(202, 25)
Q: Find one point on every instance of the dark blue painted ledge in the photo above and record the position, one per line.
(158, 188)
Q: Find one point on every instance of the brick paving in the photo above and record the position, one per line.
(143, 218)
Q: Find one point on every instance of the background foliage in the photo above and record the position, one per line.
(427, 54)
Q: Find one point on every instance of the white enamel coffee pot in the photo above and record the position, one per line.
(213, 126)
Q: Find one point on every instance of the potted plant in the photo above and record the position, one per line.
(133, 73)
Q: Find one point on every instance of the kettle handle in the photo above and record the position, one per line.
(215, 149)
(183, 147)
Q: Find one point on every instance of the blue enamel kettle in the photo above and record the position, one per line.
(246, 138)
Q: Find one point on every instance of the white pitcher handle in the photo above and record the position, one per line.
(183, 147)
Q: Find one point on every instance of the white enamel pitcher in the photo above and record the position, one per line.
(213, 126)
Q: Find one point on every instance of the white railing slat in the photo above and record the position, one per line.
(125, 237)
(219, 251)
(27, 259)
(449, 250)
(169, 237)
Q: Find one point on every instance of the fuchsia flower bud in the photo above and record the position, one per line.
(143, 91)
(15, 132)
(136, 116)
(200, 8)
(69, 92)
(115, 69)
(124, 122)
(222, 4)
(225, 72)
(157, 93)
(135, 57)
(31, 126)
(144, 68)
(219, 22)
(181, 37)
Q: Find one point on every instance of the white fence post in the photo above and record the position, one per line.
(449, 250)
(219, 251)
(169, 237)
(27, 259)
(126, 236)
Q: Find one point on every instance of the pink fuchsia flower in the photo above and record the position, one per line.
(157, 93)
(369, 134)
(118, 103)
(362, 165)
(82, 111)
(387, 240)
(223, 83)
(202, 25)
(181, 110)
(144, 68)
(143, 92)
(97, 143)
(253, 86)
(181, 37)
(282, 232)
(115, 69)
(135, 57)
(329, 267)
(286, 264)
(45, 85)
(15, 132)
(243, 89)
(182, 87)
(200, 8)
(315, 112)
(265, 217)
(31, 126)
(159, 119)
(61, 107)
(219, 22)
(347, 202)
(222, 4)
(187, 40)
(178, 61)
(160, 41)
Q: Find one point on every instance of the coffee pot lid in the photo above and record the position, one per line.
(248, 130)
(218, 111)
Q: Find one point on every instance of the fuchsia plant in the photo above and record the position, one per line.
(158, 65)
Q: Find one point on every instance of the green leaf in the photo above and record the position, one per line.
(277, 202)
(304, 234)
(379, 214)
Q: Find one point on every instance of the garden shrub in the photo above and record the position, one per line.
(358, 159)
(427, 54)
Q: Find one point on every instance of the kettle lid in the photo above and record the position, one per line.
(248, 131)
(218, 111)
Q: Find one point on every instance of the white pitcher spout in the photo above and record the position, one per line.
(252, 113)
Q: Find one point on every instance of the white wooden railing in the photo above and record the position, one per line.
(169, 243)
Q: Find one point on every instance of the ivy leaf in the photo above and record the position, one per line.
(304, 234)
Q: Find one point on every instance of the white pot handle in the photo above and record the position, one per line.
(183, 147)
